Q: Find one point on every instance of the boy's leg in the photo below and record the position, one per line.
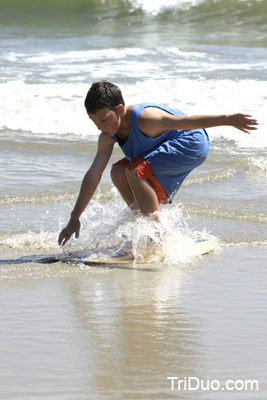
(119, 179)
(144, 194)
(138, 185)
(140, 189)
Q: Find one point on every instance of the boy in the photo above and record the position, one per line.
(162, 146)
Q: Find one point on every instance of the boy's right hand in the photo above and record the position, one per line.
(73, 226)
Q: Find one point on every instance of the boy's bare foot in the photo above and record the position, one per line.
(151, 252)
(128, 252)
(147, 252)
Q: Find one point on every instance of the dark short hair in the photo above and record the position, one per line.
(103, 95)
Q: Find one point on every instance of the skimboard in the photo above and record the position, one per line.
(205, 246)
(198, 247)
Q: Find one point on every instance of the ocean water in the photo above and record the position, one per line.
(203, 57)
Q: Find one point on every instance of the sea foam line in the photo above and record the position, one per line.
(57, 109)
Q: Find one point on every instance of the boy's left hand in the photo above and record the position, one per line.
(243, 122)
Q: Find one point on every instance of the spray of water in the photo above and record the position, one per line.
(109, 228)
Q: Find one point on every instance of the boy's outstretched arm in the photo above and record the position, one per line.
(88, 187)
(152, 121)
(243, 122)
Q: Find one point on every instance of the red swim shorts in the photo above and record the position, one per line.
(143, 170)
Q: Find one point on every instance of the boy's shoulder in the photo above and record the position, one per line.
(129, 108)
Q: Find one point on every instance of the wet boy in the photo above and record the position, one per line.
(161, 146)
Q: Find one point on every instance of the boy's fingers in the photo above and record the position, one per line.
(66, 234)
(60, 238)
(66, 239)
(63, 238)
(77, 231)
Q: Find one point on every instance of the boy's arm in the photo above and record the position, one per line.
(153, 121)
(88, 187)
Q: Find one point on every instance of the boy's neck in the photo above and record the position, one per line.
(124, 128)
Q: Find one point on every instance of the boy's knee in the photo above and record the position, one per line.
(117, 174)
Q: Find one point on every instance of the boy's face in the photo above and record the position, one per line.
(106, 120)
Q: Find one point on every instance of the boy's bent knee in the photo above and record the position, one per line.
(117, 174)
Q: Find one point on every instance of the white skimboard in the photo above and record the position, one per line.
(199, 247)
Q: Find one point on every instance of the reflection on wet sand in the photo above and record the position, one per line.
(135, 331)
(101, 333)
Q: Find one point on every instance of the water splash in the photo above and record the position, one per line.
(109, 228)
(168, 239)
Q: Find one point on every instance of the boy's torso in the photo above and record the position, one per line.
(148, 112)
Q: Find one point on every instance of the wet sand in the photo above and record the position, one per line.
(76, 332)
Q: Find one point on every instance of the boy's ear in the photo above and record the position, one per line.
(120, 109)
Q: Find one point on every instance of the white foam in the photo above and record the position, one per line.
(57, 108)
(44, 108)
(157, 6)
(27, 242)
(258, 165)
(85, 55)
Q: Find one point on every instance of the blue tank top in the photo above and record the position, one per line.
(138, 144)
(172, 155)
